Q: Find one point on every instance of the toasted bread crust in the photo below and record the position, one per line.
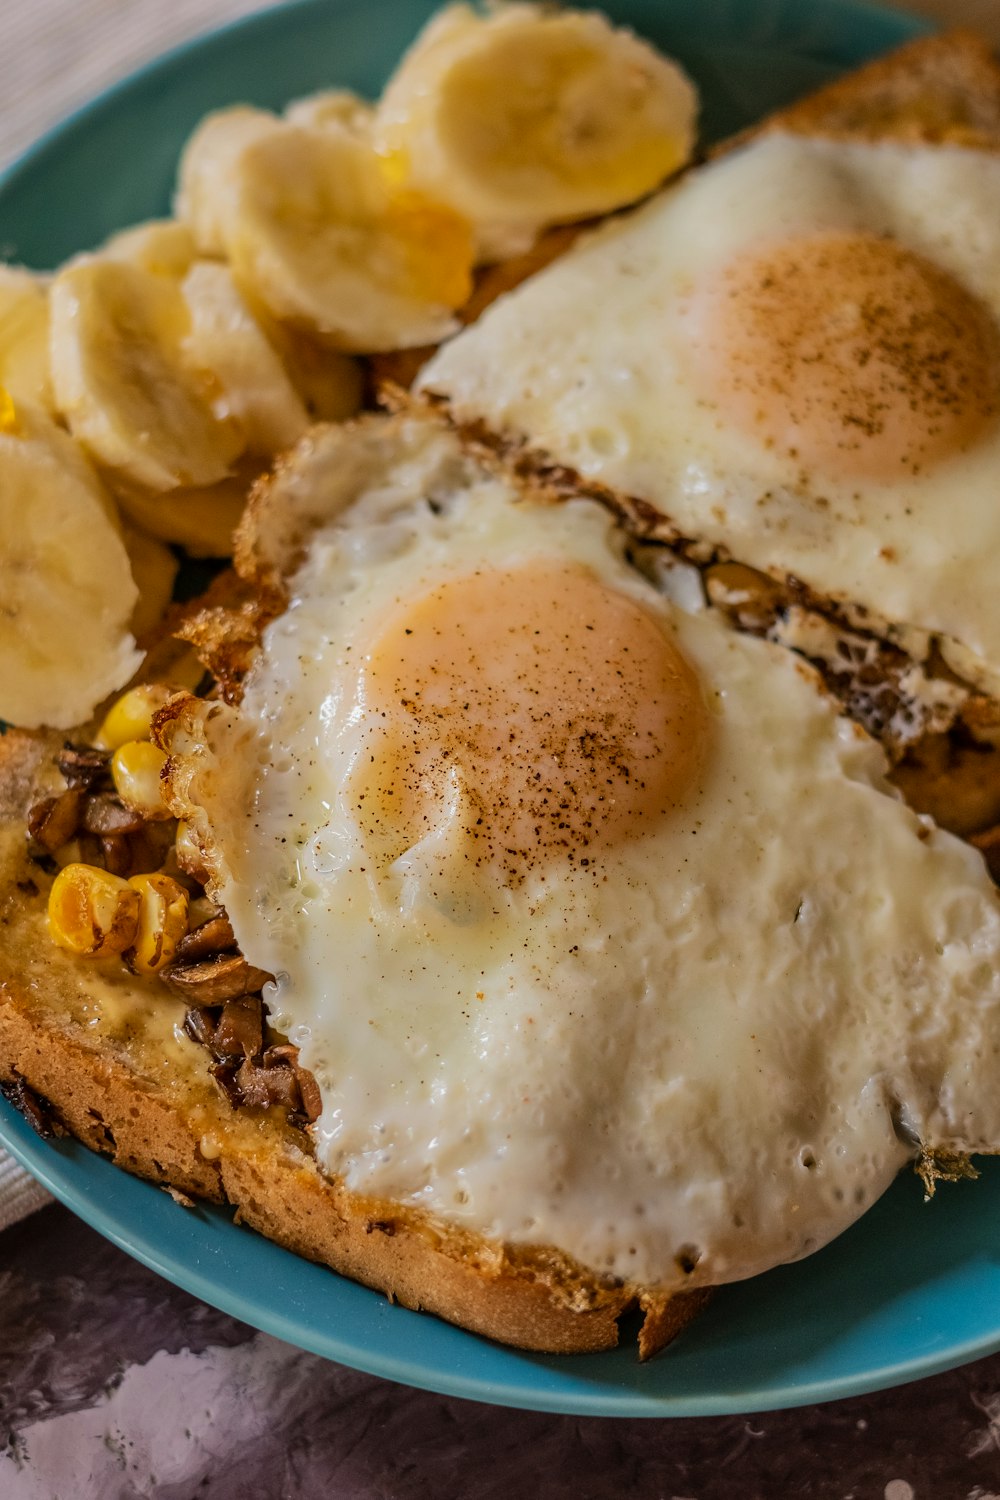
(942, 89)
(288, 1200)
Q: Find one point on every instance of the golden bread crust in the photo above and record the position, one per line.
(942, 89)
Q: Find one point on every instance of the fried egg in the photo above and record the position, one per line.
(793, 354)
(597, 927)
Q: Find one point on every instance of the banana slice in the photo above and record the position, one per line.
(24, 337)
(122, 382)
(333, 109)
(205, 184)
(228, 343)
(319, 239)
(154, 569)
(202, 521)
(597, 119)
(165, 246)
(330, 384)
(68, 593)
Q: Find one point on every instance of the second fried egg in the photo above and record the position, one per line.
(795, 354)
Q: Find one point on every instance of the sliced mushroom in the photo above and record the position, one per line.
(104, 814)
(262, 1088)
(215, 980)
(55, 820)
(82, 766)
(200, 1025)
(148, 848)
(240, 1031)
(117, 851)
(214, 936)
(312, 1102)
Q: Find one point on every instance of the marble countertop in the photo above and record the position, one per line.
(115, 1385)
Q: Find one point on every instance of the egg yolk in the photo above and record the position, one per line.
(847, 352)
(556, 710)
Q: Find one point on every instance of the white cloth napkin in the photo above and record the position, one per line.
(20, 1194)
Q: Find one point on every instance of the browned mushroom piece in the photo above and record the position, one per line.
(212, 937)
(215, 980)
(116, 849)
(240, 1029)
(55, 820)
(312, 1102)
(281, 1052)
(200, 1025)
(83, 766)
(225, 1076)
(262, 1087)
(105, 814)
(149, 847)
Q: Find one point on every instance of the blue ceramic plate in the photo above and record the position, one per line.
(914, 1288)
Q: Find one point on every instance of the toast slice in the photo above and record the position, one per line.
(931, 702)
(618, 1087)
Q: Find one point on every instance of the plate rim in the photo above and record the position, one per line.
(57, 1170)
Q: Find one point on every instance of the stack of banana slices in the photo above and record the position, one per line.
(145, 385)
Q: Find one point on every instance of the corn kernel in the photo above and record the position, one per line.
(131, 716)
(8, 411)
(91, 912)
(135, 771)
(163, 921)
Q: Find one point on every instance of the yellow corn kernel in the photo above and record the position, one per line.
(131, 716)
(135, 771)
(163, 921)
(8, 411)
(91, 912)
